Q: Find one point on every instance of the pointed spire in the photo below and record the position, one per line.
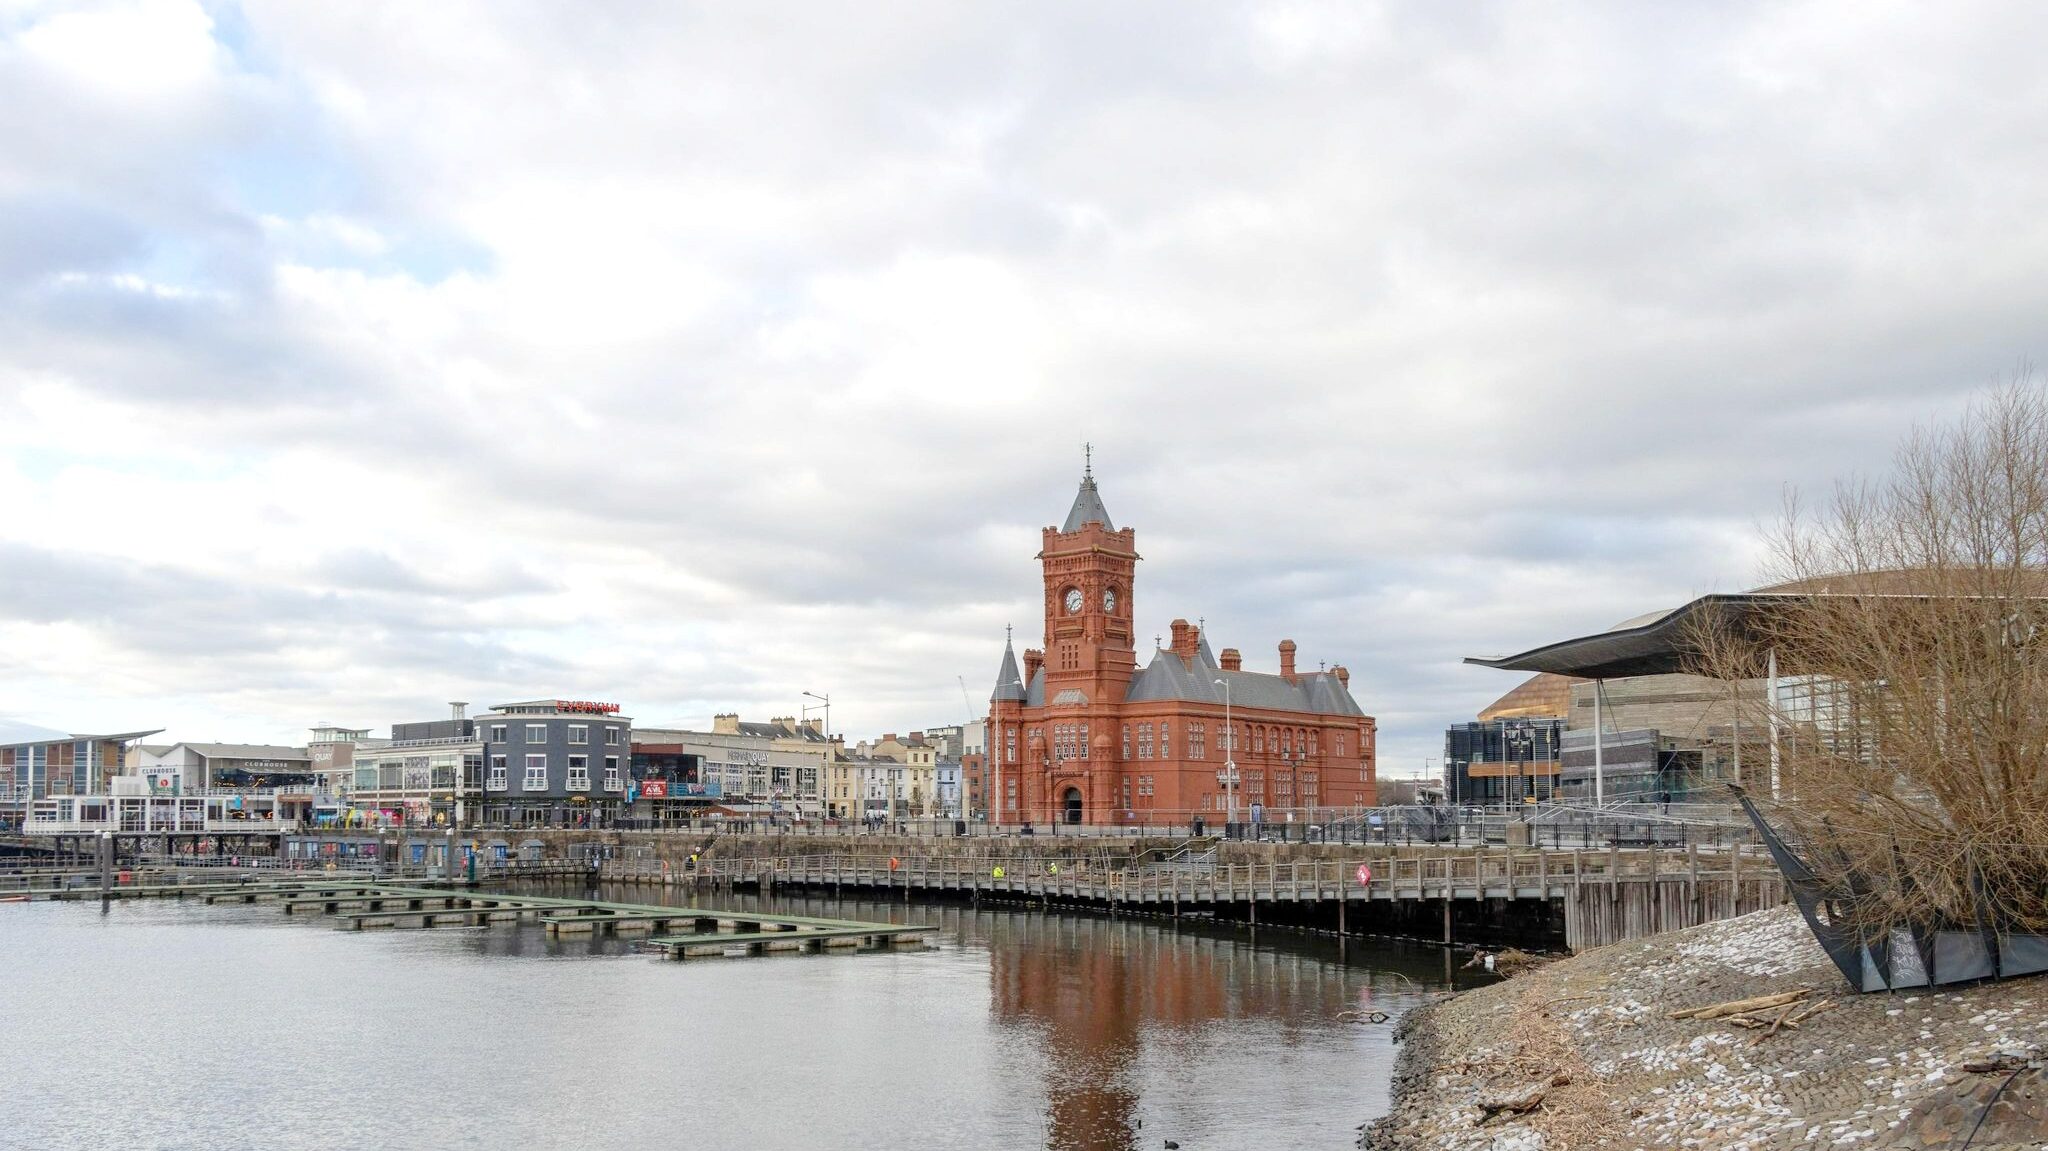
(1009, 681)
(1087, 502)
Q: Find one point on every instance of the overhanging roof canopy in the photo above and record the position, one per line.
(1660, 643)
(1647, 645)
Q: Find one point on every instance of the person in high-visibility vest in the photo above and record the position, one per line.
(997, 873)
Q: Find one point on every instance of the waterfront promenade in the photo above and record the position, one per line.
(1579, 898)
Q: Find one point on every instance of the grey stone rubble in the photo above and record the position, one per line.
(1870, 1071)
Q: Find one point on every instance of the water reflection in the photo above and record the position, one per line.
(1113, 1009)
(162, 1024)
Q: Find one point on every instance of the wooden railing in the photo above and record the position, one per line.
(1467, 874)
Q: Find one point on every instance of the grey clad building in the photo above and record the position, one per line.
(555, 762)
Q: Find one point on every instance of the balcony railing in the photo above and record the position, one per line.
(440, 741)
(34, 826)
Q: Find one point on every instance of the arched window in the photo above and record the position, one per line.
(1165, 740)
(1127, 741)
(1258, 739)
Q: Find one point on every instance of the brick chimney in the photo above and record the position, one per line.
(1287, 660)
(1232, 661)
(1343, 674)
(726, 723)
(1187, 638)
(1033, 660)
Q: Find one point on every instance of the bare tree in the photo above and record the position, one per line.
(1914, 627)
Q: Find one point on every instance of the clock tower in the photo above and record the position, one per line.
(1090, 653)
(1079, 734)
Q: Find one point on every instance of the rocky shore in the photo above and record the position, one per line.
(1583, 1055)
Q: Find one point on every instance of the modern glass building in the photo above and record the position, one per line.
(1502, 762)
(41, 763)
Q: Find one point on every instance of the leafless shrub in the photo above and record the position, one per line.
(1915, 616)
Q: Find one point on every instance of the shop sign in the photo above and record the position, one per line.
(586, 707)
(654, 788)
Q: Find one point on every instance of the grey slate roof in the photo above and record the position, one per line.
(247, 751)
(1009, 682)
(1169, 677)
(1087, 507)
(1034, 695)
(777, 731)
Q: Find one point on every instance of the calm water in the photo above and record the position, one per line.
(179, 1025)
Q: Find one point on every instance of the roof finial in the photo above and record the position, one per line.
(1088, 461)
(1006, 635)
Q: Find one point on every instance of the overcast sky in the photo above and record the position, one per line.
(359, 357)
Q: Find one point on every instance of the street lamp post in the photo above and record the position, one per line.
(1229, 762)
(825, 757)
(827, 701)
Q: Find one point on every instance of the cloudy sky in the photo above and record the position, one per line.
(358, 357)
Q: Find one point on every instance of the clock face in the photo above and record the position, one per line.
(1073, 600)
(1109, 600)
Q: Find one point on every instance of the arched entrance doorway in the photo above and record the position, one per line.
(1071, 805)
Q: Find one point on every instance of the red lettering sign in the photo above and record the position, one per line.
(654, 788)
(587, 707)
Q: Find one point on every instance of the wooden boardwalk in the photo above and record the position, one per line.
(1602, 896)
(359, 904)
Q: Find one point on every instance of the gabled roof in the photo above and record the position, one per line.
(1168, 676)
(1087, 507)
(246, 751)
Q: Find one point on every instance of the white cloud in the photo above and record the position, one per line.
(142, 51)
(703, 358)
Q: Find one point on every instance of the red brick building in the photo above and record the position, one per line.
(1082, 734)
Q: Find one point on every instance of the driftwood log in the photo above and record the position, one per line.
(1518, 1104)
(1741, 1006)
